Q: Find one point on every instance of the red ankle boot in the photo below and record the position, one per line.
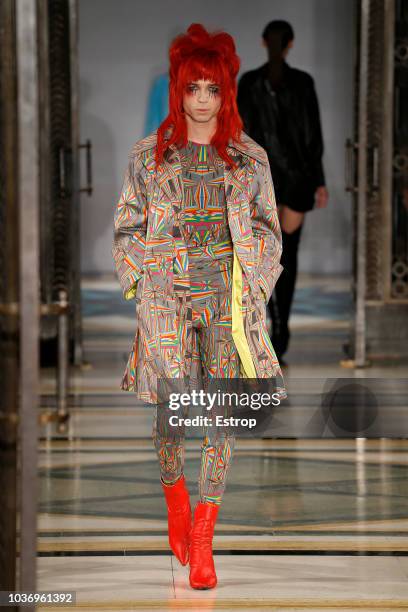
(178, 518)
(202, 570)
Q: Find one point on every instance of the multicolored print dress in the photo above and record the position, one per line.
(204, 224)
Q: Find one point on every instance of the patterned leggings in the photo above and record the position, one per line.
(216, 451)
(214, 355)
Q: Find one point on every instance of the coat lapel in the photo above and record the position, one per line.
(239, 219)
(241, 234)
(168, 176)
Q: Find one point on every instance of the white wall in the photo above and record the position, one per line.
(123, 45)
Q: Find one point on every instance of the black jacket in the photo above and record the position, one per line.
(286, 123)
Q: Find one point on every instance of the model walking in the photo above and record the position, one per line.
(197, 244)
(280, 110)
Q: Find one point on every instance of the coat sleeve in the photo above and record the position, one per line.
(130, 229)
(245, 105)
(314, 138)
(266, 228)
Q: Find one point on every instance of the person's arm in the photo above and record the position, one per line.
(266, 228)
(157, 104)
(152, 121)
(245, 105)
(130, 228)
(314, 138)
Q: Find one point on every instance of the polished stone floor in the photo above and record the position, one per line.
(306, 523)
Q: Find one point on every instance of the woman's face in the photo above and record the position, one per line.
(202, 100)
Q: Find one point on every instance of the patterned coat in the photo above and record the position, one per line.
(151, 261)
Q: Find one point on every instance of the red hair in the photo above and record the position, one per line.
(212, 57)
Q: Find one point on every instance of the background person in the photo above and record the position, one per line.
(279, 108)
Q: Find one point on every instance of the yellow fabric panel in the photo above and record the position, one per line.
(131, 292)
(238, 332)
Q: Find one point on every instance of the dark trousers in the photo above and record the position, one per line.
(281, 299)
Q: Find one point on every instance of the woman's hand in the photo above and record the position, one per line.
(321, 197)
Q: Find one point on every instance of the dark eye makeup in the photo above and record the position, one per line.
(213, 89)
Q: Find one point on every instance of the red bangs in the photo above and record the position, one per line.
(201, 66)
(211, 57)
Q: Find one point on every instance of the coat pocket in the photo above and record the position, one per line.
(140, 289)
(160, 277)
(259, 247)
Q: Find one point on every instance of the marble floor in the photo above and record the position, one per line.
(307, 523)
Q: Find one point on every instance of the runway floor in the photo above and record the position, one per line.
(305, 524)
